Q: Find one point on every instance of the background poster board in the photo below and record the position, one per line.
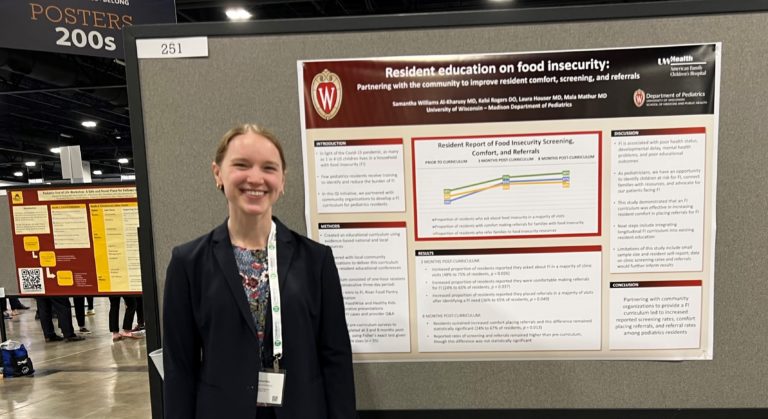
(75, 239)
(181, 107)
(554, 205)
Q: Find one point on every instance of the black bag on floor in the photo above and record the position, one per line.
(16, 362)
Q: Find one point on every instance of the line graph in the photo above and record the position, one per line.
(505, 182)
(546, 185)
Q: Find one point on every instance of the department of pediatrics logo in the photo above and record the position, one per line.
(639, 98)
(326, 94)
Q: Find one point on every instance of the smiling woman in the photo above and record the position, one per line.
(249, 168)
(260, 302)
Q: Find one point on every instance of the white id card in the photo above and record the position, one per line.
(271, 385)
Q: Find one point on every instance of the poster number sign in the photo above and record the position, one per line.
(196, 46)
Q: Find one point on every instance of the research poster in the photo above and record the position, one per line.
(518, 205)
(75, 239)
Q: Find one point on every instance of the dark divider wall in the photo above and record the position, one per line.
(180, 107)
(7, 260)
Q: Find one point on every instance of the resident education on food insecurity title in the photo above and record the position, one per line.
(482, 69)
(413, 72)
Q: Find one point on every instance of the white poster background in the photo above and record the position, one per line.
(373, 268)
(657, 195)
(661, 317)
(356, 177)
(509, 302)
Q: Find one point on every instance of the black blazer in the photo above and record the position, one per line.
(210, 349)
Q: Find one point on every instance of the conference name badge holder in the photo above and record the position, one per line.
(271, 386)
(272, 382)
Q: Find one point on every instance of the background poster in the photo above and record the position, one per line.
(75, 240)
(555, 205)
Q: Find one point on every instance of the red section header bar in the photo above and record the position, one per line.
(658, 131)
(355, 143)
(377, 224)
(656, 284)
(511, 251)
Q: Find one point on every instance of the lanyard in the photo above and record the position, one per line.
(274, 292)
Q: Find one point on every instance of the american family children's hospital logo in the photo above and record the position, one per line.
(326, 94)
(639, 97)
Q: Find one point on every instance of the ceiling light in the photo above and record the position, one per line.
(97, 172)
(122, 160)
(65, 135)
(18, 174)
(117, 137)
(89, 124)
(29, 163)
(55, 150)
(238, 13)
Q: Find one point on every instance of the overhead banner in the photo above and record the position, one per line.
(87, 27)
(76, 240)
(538, 205)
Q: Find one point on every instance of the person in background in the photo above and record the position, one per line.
(114, 318)
(139, 314)
(231, 295)
(15, 306)
(46, 306)
(79, 304)
(89, 311)
(7, 314)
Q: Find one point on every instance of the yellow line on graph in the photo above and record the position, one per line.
(474, 190)
(500, 185)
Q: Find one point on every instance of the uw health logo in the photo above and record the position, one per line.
(639, 98)
(673, 59)
(326, 94)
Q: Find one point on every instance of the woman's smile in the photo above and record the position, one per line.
(251, 173)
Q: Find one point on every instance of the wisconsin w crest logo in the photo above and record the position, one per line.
(326, 94)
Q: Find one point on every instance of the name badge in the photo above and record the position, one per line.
(271, 385)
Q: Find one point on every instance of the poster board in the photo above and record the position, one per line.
(549, 205)
(75, 239)
(175, 129)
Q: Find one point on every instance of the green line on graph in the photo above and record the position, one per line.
(500, 178)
